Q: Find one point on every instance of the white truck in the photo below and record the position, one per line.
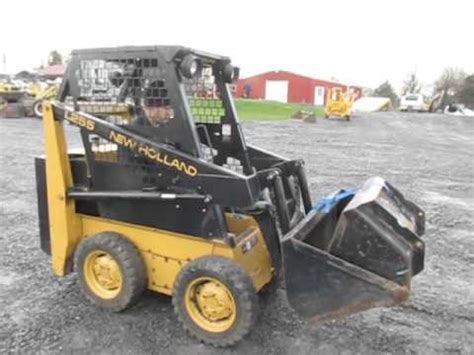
(413, 102)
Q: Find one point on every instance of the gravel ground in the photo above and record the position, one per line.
(428, 157)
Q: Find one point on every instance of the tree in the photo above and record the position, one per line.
(386, 90)
(465, 94)
(411, 85)
(449, 83)
(450, 80)
(55, 58)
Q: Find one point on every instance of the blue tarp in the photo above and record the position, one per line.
(326, 203)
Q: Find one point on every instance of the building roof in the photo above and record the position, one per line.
(285, 72)
(53, 70)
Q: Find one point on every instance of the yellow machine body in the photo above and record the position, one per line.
(45, 94)
(164, 252)
(338, 104)
(5, 87)
(34, 89)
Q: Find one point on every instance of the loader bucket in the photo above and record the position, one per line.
(354, 251)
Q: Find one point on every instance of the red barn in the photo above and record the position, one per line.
(285, 86)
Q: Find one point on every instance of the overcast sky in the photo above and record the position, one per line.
(358, 42)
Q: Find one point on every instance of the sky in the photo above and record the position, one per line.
(359, 42)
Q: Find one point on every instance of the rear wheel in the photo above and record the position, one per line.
(38, 108)
(111, 271)
(215, 300)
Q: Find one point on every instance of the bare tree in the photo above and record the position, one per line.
(411, 85)
(450, 81)
(449, 84)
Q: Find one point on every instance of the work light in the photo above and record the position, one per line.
(230, 73)
(191, 66)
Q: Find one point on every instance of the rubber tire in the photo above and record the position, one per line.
(134, 276)
(37, 113)
(236, 280)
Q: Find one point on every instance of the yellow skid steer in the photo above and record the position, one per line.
(338, 104)
(176, 201)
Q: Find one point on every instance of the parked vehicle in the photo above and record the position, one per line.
(413, 102)
(338, 104)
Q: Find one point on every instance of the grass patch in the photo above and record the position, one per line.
(260, 110)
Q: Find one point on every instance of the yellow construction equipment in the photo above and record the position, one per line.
(41, 95)
(11, 100)
(177, 202)
(9, 92)
(338, 104)
(35, 88)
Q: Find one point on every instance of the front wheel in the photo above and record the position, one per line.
(215, 300)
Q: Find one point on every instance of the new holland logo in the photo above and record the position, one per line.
(130, 143)
(152, 154)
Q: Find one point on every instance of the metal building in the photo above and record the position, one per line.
(286, 86)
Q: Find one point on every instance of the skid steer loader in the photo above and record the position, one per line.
(177, 202)
(338, 104)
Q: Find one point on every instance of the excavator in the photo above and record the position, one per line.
(176, 201)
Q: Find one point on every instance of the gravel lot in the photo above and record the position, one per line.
(430, 158)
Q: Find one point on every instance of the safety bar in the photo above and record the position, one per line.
(135, 195)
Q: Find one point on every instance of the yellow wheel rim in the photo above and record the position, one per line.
(210, 304)
(102, 274)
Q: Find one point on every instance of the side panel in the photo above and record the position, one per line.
(165, 253)
(251, 250)
(194, 217)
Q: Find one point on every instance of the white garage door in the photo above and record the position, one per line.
(319, 95)
(276, 90)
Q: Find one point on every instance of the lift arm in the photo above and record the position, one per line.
(63, 222)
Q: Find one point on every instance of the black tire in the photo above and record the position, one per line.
(132, 269)
(38, 108)
(237, 282)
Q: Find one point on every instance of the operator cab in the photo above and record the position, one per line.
(176, 96)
